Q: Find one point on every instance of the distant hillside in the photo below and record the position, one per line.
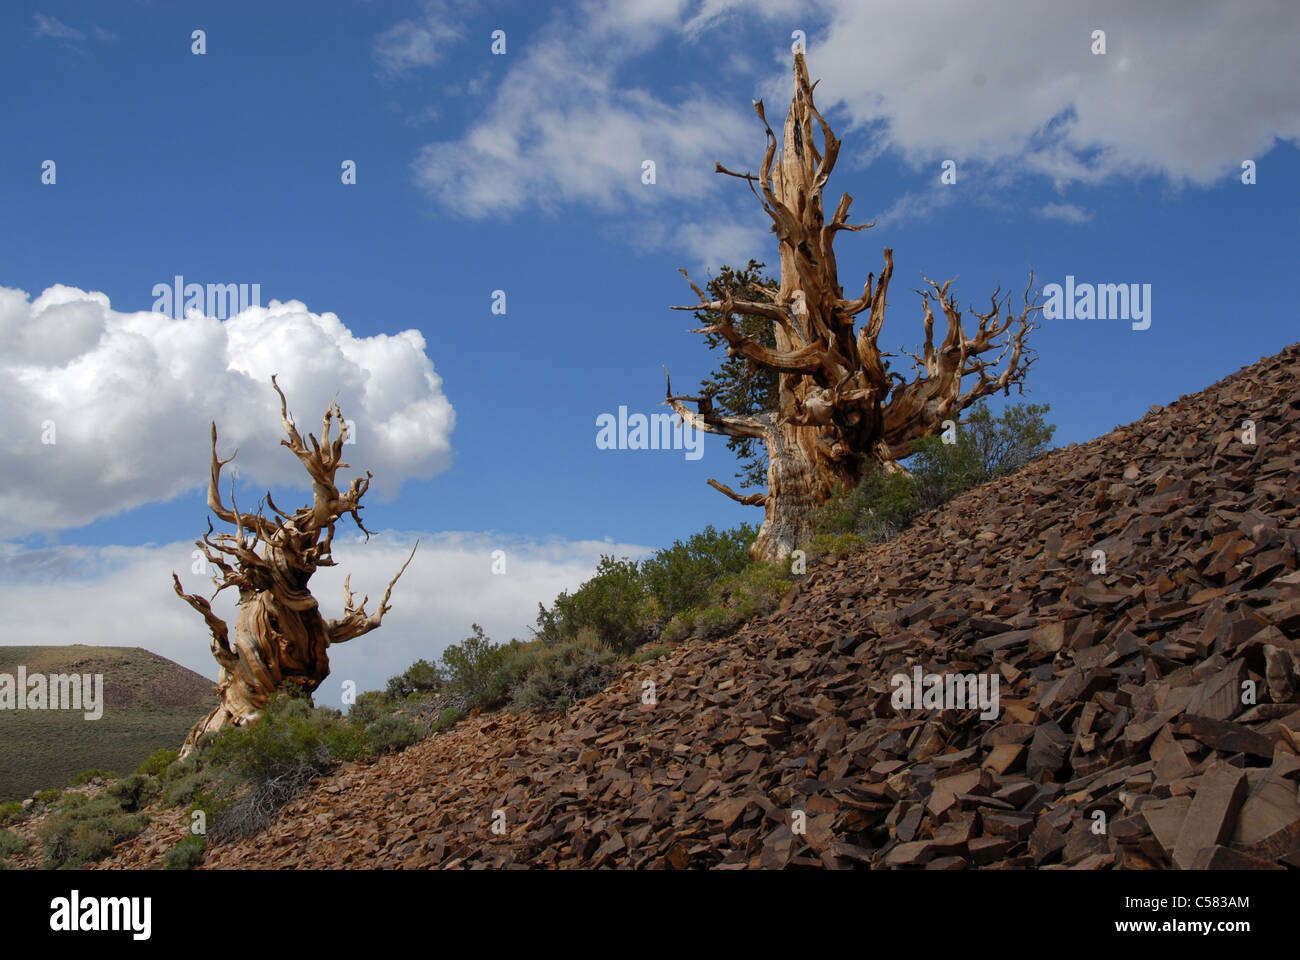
(150, 703)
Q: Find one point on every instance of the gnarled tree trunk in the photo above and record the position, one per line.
(841, 412)
(281, 638)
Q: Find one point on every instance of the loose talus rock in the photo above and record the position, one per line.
(1146, 714)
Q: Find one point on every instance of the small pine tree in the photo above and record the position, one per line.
(738, 387)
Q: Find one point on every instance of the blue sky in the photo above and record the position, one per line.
(522, 172)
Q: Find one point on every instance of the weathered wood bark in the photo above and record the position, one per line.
(281, 638)
(841, 412)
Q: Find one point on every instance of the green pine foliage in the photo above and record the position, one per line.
(738, 387)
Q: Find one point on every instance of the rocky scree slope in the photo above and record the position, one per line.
(1157, 699)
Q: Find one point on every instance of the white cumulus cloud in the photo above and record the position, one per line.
(127, 399)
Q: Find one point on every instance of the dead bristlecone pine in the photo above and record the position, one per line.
(839, 412)
(281, 639)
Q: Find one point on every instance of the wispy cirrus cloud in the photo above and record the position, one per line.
(561, 131)
(417, 42)
(54, 28)
(1065, 212)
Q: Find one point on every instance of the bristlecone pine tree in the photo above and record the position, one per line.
(840, 412)
(281, 639)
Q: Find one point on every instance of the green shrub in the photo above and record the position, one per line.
(448, 718)
(679, 576)
(471, 666)
(47, 796)
(759, 587)
(10, 813)
(371, 705)
(289, 731)
(681, 626)
(133, 792)
(1005, 444)
(712, 621)
(157, 763)
(653, 653)
(11, 844)
(391, 734)
(421, 676)
(485, 673)
(87, 844)
(124, 828)
(564, 675)
(943, 470)
(878, 508)
(212, 803)
(613, 604)
(178, 769)
(733, 600)
(55, 835)
(87, 775)
(186, 855)
(835, 544)
(88, 834)
(623, 604)
(105, 806)
(74, 801)
(241, 777)
(985, 447)
(184, 789)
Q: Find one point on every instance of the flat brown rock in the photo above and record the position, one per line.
(1223, 858)
(1268, 824)
(1212, 815)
